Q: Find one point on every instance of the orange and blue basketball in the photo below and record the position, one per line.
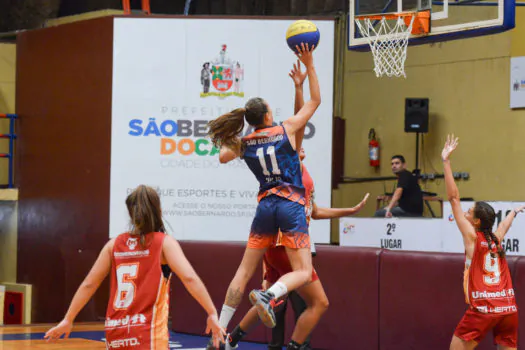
(302, 31)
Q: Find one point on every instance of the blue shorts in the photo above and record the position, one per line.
(276, 214)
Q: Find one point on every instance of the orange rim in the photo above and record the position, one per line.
(421, 23)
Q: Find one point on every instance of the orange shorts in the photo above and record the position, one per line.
(475, 325)
(278, 264)
(295, 240)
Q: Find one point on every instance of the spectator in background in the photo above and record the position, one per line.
(407, 200)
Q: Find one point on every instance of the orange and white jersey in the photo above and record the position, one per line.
(137, 314)
(487, 282)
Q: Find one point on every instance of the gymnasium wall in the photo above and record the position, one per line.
(8, 234)
(467, 82)
(7, 98)
(63, 161)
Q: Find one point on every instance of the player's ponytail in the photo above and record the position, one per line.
(145, 212)
(501, 251)
(226, 129)
(487, 216)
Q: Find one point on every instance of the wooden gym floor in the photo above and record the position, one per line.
(88, 336)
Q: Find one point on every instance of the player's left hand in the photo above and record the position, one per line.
(450, 146)
(64, 327)
(388, 214)
(218, 333)
(361, 204)
(519, 209)
(305, 54)
(297, 75)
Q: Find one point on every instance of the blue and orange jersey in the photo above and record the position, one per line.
(272, 159)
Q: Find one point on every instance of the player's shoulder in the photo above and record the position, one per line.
(122, 237)
(264, 132)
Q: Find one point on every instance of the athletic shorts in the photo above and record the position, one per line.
(276, 213)
(475, 325)
(278, 264)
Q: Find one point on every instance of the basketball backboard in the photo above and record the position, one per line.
(449, 19)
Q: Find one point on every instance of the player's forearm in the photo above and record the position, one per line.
(450, 184)
(299, 98)
(198, 291)
(313, 83)
(299, 103)
(82, 296)
(332, 213)
(507, 223)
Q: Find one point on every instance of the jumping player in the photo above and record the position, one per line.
(277, 264)
(270, 153)
(137, 313)
(487, 282)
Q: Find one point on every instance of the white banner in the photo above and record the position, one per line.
(419, 234)
(517, 82)
(453, 242)
(172, 76)
(394, 233)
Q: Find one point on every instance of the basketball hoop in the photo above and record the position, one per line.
(388, 34)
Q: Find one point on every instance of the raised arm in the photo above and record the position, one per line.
(298, 78)
(182, 268)
(466, 228)
(320, 213)
(504, 227)
(293, 124)
(89, 286)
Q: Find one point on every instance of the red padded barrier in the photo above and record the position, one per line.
(351, 319)
(421, 299)
(518, 280)
(350, 279)
(216, 264)
(378, 299)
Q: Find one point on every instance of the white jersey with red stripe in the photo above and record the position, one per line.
(137, 314)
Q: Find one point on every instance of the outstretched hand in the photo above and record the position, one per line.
(305, 54)
(361, 204)
(218, 333)
(297, 75)
(64, 327)
(519, 209)
(450, 146)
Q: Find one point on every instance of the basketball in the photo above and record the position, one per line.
(302, 31)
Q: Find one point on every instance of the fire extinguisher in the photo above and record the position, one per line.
(373, 148)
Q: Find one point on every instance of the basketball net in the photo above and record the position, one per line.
(388, 42)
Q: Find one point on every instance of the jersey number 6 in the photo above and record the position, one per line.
(126, 273)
